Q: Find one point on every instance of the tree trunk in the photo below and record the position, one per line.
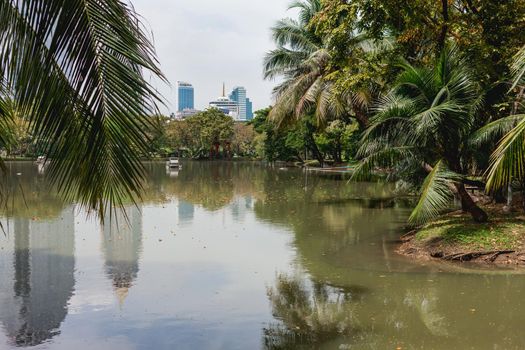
(444, 27)
(468, 205)
(361, 117)
(508, 207)
(315, 150)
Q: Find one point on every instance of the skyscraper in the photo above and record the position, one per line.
(249, 109)
(185, 96)
(238, 95)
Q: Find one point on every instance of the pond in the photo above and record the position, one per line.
(228, 255)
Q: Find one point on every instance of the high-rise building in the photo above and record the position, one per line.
(226, 105)
(249, 109)
(238, 95)
(185, 113)
(185, 96)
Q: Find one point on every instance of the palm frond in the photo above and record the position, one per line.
(290, 33)
(435, 194)
(508, 160)
(495, 130)
(307, 9)
(518, 68)
(77, 68)
(279, 61)
(377, 154)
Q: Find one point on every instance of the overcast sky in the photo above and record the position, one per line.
(206, 42)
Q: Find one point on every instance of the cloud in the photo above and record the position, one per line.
(207, 42)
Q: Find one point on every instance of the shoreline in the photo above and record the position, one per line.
(455, 238)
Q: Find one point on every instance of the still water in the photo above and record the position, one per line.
(238, 256)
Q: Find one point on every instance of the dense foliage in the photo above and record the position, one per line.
(433, 86)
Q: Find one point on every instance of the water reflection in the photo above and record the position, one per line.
(122, 246)
(186, 211)
(196, 269)
(308, 315)
(38, 280)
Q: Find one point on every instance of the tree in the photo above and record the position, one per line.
(207, 129)
(243, 140)
(278, 143)
(158, 137)
(334, 140)
(426, 121)
(75, 70)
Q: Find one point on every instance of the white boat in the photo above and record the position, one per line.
(174, 163)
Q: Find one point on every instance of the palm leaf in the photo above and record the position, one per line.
(77, 66)
(495, 130)
(435, 194)
(518, 67)
(508, 160)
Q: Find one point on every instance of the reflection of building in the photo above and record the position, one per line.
(122, 245)
(186, 211)
(240, 207)
(37, 279)
(185, 96)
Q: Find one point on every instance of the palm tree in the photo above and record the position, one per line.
(294, 39)
(425, 122)
(508, 160)
(300, 59)
(304, 58)
(75, 69)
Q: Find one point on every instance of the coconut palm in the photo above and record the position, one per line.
(304, 59)
(508, 160)
(300, 59)
(426, 122)
(294, 39)
(75, 70)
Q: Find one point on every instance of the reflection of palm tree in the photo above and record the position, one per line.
(426, 302)
(122, 245)
(307, 317)
(42, 271)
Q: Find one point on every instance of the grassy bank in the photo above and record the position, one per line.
(456, 237)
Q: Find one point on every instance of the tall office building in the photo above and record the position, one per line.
(249, 109)
(185, 95)
(238, 95)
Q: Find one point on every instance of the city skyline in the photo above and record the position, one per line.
(194, 44)
(236, 103)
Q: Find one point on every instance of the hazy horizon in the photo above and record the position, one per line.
(208, 42)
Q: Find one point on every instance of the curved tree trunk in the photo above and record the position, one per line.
(468, 205)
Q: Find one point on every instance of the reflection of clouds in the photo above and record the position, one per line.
(91, 301)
